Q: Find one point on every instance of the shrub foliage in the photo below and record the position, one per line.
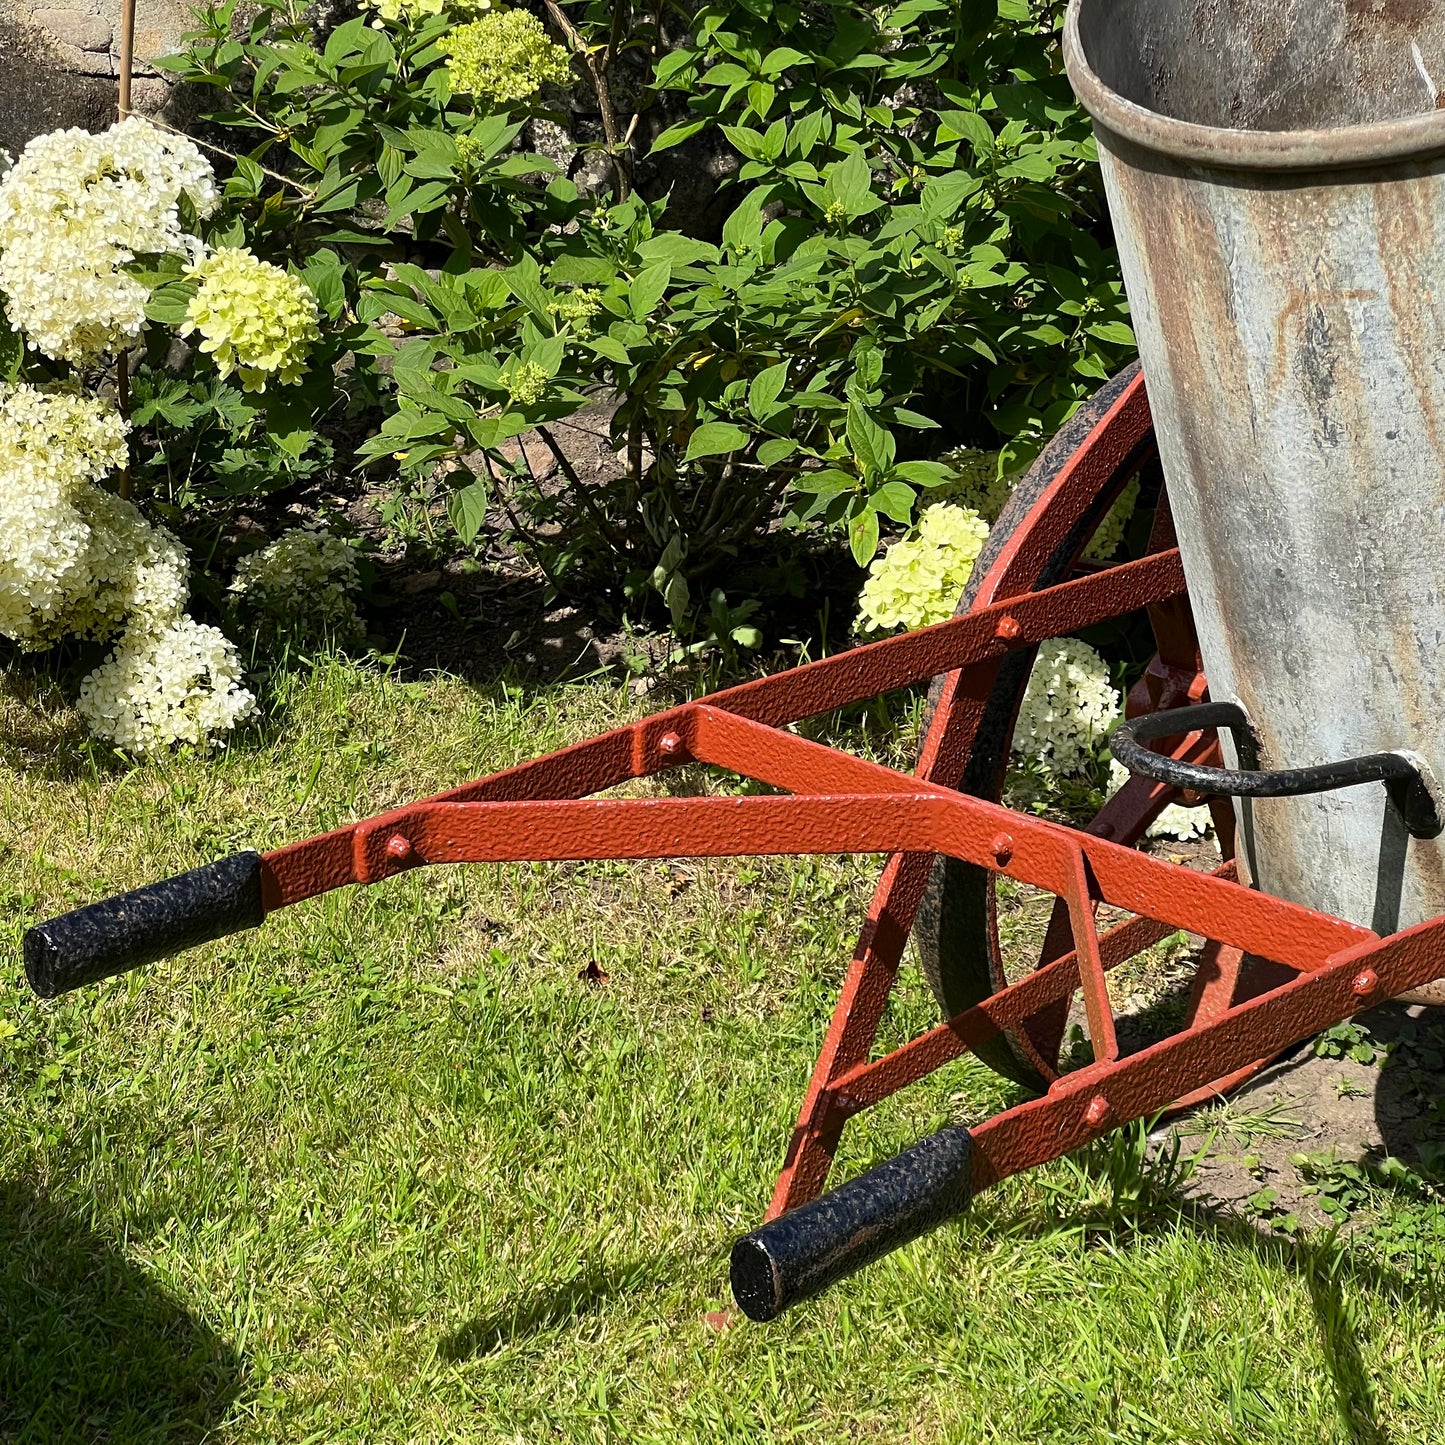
(912, 258)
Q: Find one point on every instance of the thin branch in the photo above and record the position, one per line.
(614, 539)
(532, 542)
(621, 12)
(308, 191)
(599, 84)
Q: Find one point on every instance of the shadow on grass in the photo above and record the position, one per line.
(548, 1307)
(1324, 1264)
(92, 1350)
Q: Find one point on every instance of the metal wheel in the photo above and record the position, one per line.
(1036, 542)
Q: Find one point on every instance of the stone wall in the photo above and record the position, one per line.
(59, 60)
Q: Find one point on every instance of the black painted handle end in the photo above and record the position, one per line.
(136, 928)
(815, 1245)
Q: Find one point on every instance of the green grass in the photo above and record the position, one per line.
(388, 1169)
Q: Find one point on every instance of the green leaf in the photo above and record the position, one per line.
(581, 271)
(1034, 167)
(966, 125)
(924, 474)
(676, 134)
(806, 131)
(525, 281)
(168, 303)
(726, 74)
(747, 140)
(863, 537)
(827, 479)
(894, 499)
(247, 179)
(871, 444)
(715, 439)
(485, 289)
(680, 250)
(775, 450)
(943, 195)
(1115, 332)
(647, 289)
(775, 62)
(288, 422)
(467, 510)
(323, 274)
(849, 183)
(612, 350)
(764, 390)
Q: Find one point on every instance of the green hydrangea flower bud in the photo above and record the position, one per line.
(255, 318)
(504, 57)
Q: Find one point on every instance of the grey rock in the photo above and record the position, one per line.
(84, 62)
(71, 27)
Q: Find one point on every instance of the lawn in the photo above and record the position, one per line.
(461, 1157)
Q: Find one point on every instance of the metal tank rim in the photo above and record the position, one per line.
(1336, 147)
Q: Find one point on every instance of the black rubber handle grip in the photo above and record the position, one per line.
(131, 929)
(815, 1245)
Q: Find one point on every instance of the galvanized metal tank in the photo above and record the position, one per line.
(1276, 174)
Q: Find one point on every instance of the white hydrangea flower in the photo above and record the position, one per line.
(53, 446)
(1110, 532)
(919, 581)
(137, 572)
(1183, 824)
(177, 683)
(305, 577)
(1068, 708)
(76, 208)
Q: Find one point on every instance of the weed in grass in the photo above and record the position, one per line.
(1348, 1040)
(1243, 1124)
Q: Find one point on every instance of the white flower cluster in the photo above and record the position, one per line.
(53, 447)
(977, 483)
(306, 577)
(179, 682)
(1183, 824)
(919, 580)
(74, 210)
(74, 559)
(1068, 708)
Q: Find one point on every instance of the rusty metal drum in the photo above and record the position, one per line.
(1275, 171)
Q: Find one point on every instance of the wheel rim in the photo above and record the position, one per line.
(1049, 519)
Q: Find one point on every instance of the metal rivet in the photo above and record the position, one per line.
(669, 743)
(1002, 847)
(1097, 1111)
(1008, 628)
(399, 848)
(1365, 982)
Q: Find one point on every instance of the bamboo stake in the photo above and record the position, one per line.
(122, 106)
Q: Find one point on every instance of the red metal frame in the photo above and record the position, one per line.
(833, 802)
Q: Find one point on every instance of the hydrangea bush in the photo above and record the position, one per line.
(503, 57)
(905, 242)
(304, 583)
(919, 580)
(93, 229)
(75, 210)
(977, 480)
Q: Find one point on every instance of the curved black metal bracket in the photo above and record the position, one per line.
(1403, 780)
